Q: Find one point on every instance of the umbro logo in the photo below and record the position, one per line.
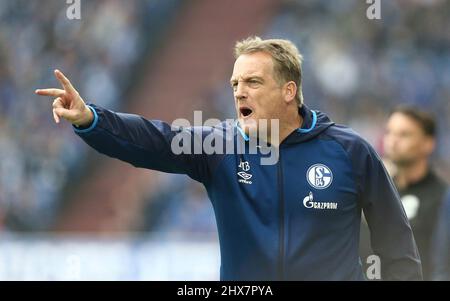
(244, 173)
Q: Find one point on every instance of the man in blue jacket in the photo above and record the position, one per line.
(295, 218)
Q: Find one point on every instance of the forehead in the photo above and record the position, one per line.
(253, 64)
(402, 122)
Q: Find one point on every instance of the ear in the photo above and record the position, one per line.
(429, 145)
(290, 90)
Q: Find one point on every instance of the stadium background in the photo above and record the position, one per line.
(67, 212)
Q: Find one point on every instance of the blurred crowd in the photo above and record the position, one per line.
(97, 52)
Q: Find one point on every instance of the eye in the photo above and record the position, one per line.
(253, 82)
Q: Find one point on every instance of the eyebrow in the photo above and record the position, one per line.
(247, 78)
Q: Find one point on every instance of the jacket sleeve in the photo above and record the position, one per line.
(390, 232)
(144, 143)
(441, 244)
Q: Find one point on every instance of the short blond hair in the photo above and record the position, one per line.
(286, 57)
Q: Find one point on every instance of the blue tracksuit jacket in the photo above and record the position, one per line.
(296, 220)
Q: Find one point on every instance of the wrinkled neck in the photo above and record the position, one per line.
(291, 122)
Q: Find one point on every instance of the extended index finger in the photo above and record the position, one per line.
(64, 81)
(50, 92)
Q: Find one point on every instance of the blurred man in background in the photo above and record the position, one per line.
(441, 244)
(409, 142)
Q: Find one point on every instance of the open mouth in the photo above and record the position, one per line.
(245, 111)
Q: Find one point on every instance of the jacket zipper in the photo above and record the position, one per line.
(281, 214)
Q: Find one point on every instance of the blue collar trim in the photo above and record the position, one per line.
(301, 130)
(241, 131)
(313, 124)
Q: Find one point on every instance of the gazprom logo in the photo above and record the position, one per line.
(319, 176)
